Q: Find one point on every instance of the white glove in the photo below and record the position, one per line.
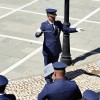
(39, 30)
(79, 29)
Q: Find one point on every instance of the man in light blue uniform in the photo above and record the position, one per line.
(61, 88)
(51, 29)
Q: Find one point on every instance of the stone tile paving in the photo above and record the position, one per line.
(26, 88)
(86, 76)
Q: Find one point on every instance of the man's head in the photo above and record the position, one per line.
(59, 70)
(51, 13)
(3, 83)
(56, 69)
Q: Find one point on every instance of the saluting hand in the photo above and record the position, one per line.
(79, 29)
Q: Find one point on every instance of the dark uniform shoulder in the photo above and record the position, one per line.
(49, 84)
(59, 24)
(11, 96)
(73, 82)
(45, 22)
(57, 21)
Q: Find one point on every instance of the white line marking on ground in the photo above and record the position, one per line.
(26, 11)
(86, 17)
(95, 22)
(95, 0)
(38, 42)
(45, 15)
(6, 8)
(83, 19)
(21, 39)
(59, 16)
(7, 14)
(40, 48)
(21, 61)
(85, 51)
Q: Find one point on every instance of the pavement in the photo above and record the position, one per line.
(21, 59)
(87, 76)
(21, 52)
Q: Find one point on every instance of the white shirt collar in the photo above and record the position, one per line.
(51, 22)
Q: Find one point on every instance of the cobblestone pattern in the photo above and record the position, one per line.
(28, 88)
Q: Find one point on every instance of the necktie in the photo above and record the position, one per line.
(52, 26)
(54, 33)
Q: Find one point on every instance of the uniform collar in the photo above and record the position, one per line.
(50, 22)
(60, 79)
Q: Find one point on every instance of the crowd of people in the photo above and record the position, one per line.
(58, 87)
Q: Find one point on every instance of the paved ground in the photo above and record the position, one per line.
(86, 76)
(20, 51)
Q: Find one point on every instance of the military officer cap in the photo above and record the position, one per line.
(49, 69)
(51, 11)
(3, 80)
(59, 65)
(90, 95)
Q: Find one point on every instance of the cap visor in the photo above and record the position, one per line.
(52, 15)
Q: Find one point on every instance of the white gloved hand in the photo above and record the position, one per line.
(79, 29)
(39, 30)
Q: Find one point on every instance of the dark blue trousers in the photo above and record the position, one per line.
(48, 60)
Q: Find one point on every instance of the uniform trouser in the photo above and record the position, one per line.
(48, 60)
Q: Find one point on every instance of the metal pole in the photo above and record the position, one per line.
(66, 56)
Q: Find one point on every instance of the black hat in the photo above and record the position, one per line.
(59, 65)
(3, 80)
(51, 11)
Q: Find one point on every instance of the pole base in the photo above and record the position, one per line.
(66, 60)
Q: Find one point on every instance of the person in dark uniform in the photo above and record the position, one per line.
(52, 29)
(90, 95)
(61, 88)
(3, 95)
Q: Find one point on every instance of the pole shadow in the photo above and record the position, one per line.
(84, 56)
(73, 74)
